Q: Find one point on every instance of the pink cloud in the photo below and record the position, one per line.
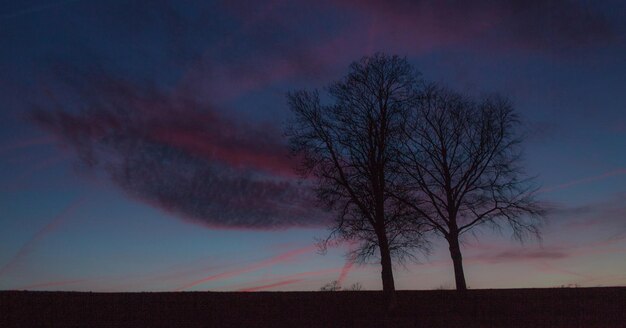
(284, 257)
(549, 268)
(182, 156)
(349, 263)
(345, 270)
(521, 254)
(410, 28)
(406, 27)
(163, 145)
(260, 151)
(604, 218)
(418, 26)
(298, 276)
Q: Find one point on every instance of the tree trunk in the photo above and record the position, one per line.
(457, 260)
(389, 288)
(387, 274)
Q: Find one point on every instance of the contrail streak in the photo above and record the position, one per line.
(51, 284)
(349, 263)
(276, 281)
(345, 270)
(28, 247)
(253, 267)
(276, 284)
(583, 181)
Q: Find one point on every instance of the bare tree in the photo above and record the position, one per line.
(332, 286)
(355, 287)
(347, 147)
(462, 158)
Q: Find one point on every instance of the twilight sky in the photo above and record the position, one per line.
(141, 144)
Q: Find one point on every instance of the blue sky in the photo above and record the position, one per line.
(141, 144)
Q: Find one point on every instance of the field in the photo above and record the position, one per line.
(556, 307)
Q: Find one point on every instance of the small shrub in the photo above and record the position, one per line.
(445, 286)
(332, 286)
(355, 286)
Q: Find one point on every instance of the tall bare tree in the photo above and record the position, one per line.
(462, 159)
(348, 145)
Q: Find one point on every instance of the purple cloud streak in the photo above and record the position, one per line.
(181, 155)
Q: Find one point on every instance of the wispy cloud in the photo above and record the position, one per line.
(284, 257)
(521, 254)
(608, 215)
(583, 181)
(350, 261)
(171, 151)
(273, 285)
(276, 281)
(26, 143)
(30, 245)
(526, 25)
(345, 270)
(552, 269)
(48, 284)
(173, 148)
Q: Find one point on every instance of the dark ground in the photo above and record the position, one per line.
(556, 307)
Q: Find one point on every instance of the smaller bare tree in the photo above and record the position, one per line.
(462, 158)
(332, 286)
(355, 287)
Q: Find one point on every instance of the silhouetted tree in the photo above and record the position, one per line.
(355, 287)
(332, 286)
(462, 158)
(348, 146)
